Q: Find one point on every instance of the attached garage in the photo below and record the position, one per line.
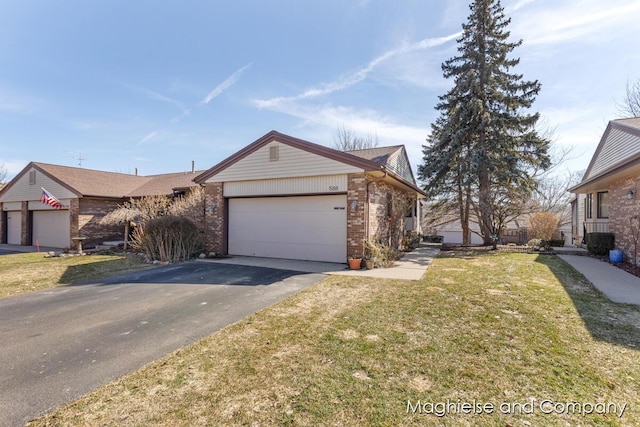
(283, 197)
(305, 228)
(14, 227)
(51, 228)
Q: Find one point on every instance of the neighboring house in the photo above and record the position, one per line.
(283, 197)
(86, 197)
(516, 231)
(607, 198)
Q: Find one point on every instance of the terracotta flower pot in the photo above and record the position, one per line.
(355, 263)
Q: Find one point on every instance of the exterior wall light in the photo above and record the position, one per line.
(631, 193)
(212, 208)
(354, 205)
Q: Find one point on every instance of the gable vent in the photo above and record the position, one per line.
(273, 153)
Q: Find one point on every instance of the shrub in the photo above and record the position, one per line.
(382, 255)
(558, 243)
(168, 238)
(534, 243)
(600, 243)
(433, 238)
(542, 225)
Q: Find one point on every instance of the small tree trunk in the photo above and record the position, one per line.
(126, 234)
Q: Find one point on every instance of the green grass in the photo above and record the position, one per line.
(508, 330)
(29, 272)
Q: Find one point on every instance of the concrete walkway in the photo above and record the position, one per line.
(411, 266)
(618, 285)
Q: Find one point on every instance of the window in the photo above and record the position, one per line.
(32, 177)
(273, 153)
(588, 206)
(603, 204)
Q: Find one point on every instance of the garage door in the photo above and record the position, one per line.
(51, 228)
(306, 228)
(14, 227)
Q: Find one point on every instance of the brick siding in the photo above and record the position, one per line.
(214, 219)
(3, 226)
(624, 215)
(86, 214)
(356, 201)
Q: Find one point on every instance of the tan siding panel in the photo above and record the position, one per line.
(22, 190)
(51, 228)
(292, 162)
(12, 206)
(14, 227)
(272, 187)
(618, 146)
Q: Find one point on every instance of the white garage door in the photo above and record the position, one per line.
(14, 227)
(51, 228)
(306, 228)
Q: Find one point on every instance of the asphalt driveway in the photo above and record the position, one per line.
(59, 344)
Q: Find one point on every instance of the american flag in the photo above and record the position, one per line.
(48, 199)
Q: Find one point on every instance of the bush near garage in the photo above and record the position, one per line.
(168, 238)
(600, 243)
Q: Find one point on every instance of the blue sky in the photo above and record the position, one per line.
(154, 85)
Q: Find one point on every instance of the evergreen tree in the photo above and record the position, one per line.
(484, 142)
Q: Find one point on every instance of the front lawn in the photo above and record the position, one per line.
(522, 338)
(29, 272)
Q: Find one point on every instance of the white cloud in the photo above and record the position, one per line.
(226, 84)
(148, 137)
(358, 76)
(586, 20)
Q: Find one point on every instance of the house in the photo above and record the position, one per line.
(86, 197)
(283, 197)
(607, 197)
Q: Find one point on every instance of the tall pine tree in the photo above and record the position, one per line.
(484, 142)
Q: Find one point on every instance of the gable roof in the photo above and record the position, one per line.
(293, 142)
(393, 157)
(365, 161)
(617, 152)
(96, 183)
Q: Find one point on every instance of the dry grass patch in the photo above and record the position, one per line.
(29, 272)
(312, 359)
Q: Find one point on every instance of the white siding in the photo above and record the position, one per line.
(14, 227)
(618, 146)
(22, 190)
(37, 205)
(12, 206)
(272, 187)
(292, 162)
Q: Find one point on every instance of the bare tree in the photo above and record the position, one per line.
(552, 194)
(345, 139)
(630, 106)
(4, 173)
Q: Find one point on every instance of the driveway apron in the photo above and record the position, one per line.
(59, 344)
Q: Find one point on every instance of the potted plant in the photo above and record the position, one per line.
(369, 263)
(355, 262)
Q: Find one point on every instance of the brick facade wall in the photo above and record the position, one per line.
(215, 228)
(25, 235)
(356, 208)
(3, 226)
(86, 214)
(624, 215)
(379, 195)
